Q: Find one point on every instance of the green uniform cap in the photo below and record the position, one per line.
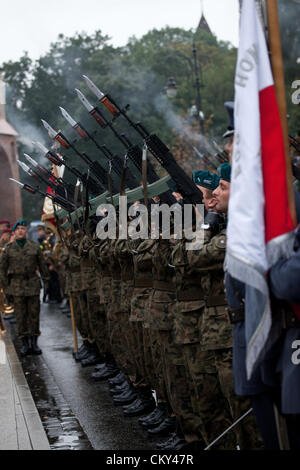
(224, 171)
(206, 179)
(19, 222)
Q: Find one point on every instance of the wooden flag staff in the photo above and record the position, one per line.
(278, 75)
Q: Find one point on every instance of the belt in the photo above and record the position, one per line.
(143, 283)
(195, 293)
(215, 301)
(165, 286)
(236, 315)
(22, 276)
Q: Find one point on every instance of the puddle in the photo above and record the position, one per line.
(61, 425)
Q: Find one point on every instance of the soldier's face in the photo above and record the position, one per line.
(221, 194)
(209, 201)
(20, 232)
(5, 237)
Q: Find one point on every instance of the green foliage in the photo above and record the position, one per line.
(136, 74)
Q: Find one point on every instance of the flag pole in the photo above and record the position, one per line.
(278, 75)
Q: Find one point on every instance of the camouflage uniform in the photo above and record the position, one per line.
(210, 360)
(142, 251)
(19, 278)
(161, 311)
(104, 281)
(115, 313)
(127, 285)
(75, 287)
(89, 298)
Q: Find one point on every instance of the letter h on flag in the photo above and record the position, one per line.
(260, 225)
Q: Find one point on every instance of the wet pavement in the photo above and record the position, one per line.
(76, 412)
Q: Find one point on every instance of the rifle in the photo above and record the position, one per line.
(133, 152)
(94, 166)
(35, 174)
(61, 201)
(159, 150)
(115, 160)
(59, 161)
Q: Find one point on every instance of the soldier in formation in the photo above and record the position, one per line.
(154, 323)
(20, 262)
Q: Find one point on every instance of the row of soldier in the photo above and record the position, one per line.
(155, 317)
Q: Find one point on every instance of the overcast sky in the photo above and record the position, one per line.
(31, 25)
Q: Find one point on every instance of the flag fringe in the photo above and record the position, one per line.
(255, 277)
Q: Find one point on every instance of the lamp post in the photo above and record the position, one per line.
(171, 89)
(200, 115)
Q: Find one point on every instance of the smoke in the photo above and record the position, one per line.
(27, 132)
(181, 125)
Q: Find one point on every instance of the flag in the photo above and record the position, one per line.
(48, 209)
(260, 225)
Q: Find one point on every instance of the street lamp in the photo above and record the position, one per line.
(171, 88)
(200, 114)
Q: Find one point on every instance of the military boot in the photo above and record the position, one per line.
(26, 346)
(85, 352)
(94, 358)
(164, 428)
(79, 351)
(34, 346)
(155, 418)
(117, 380)
(126, 397)
(143, 404)
(176, 442)
(123, 387)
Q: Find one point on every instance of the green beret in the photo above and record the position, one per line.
(224, 171)
(19, 222)
(206, 179)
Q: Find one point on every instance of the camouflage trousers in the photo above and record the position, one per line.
(97, 320)
(211, 374)
(84, 316)
(154, 364)
(138, 344)
(27, 312)
(80, 325)
(178, 389)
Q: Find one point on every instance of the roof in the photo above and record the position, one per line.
(204, 25)
(6, 128)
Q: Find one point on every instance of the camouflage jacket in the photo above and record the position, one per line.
(142, 251)
(87, 265)
(125, 259)
(74, 265)
(114, 306)
(215, 328)
(104, 274)
(190, 301)
(63, 258)
(19, 266)
(163, 296)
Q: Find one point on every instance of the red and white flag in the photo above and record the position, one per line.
(48, 209)
(260, 226)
